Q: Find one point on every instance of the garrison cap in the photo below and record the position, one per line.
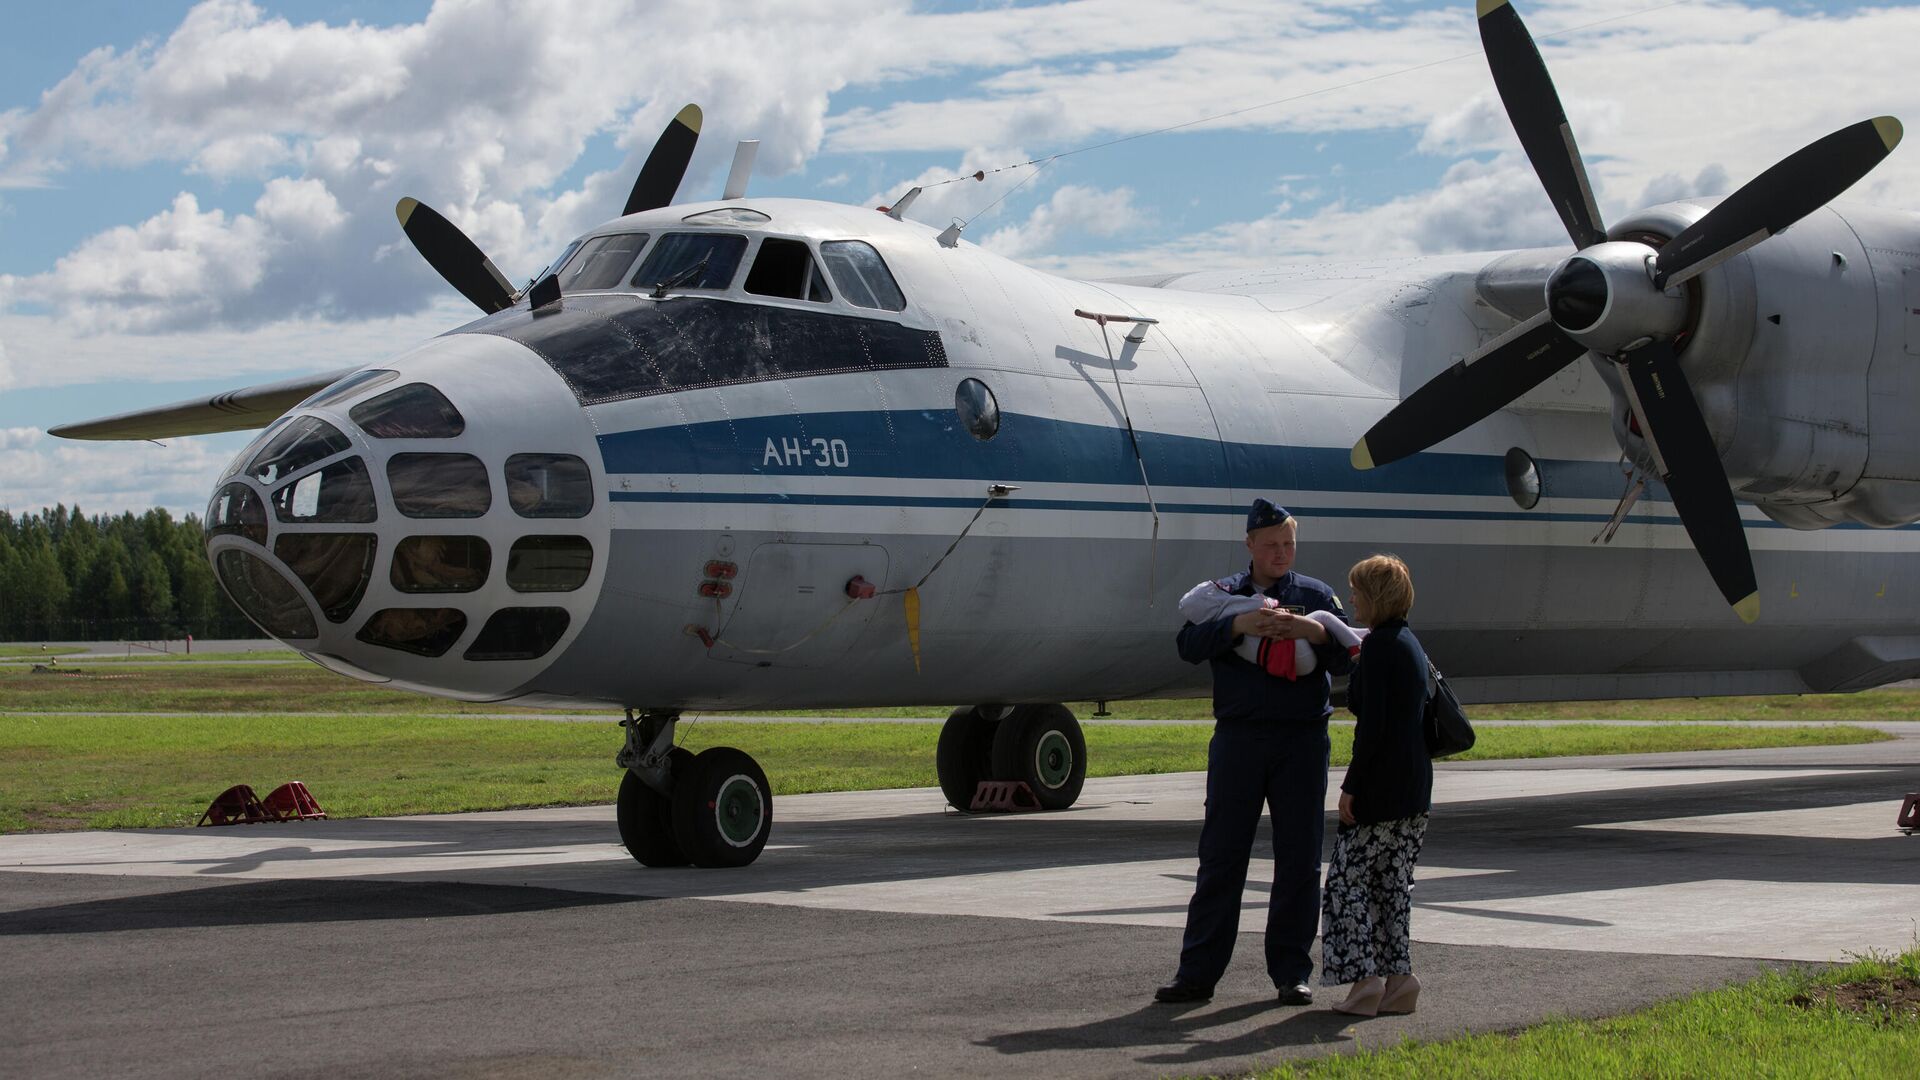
(1264, 513)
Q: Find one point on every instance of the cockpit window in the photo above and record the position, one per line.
(236, 510)
(414, 411)
(549, 486)
(305, 440)
(340, 493)
(519, 634)
(420, 631)
(440, 564)
(359, 380)
(549, 563)
(786, 268)
(439, 485)
(601, 262)
(268, 599)
(861, 275)
(675, 257)
(335, 567)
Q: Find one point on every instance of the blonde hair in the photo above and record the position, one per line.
(1386, 585)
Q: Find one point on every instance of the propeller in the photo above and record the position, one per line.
(1611, 298)
(660, 177)
(456, 258)
(1689, 465)
(465, 267)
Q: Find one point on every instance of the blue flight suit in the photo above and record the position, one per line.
(1269, 747)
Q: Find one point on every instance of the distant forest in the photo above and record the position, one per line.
(68, 577)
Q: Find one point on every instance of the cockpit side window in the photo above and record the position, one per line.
(339, 493)
(786, 268)
(601, 262)
(861, 275)
(691, 260)
(301, 443)
(414, 411)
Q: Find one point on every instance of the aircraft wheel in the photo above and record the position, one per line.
(1043, 745)
(722, 808)
(965, 754)
(646, 816)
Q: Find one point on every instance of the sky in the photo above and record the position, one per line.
(199, 197)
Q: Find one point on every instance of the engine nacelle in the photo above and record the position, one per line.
(1804, 353)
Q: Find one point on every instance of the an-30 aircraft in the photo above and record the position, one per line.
(765, 453)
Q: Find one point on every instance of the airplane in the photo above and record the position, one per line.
(755, 452)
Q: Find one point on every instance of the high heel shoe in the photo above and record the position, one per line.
(1402, 992)
(1364, 998)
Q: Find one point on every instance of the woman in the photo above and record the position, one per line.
(1383, 803)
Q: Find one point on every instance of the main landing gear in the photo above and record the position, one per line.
(676, 807)
(1039, 744)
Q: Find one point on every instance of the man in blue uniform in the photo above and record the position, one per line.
(1269, 747)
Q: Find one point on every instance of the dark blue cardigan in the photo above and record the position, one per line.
(1391, 776)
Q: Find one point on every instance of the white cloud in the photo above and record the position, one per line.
(1072, 209)
(1672, 187)
(18, 438)
(42, 352)
(108, 478)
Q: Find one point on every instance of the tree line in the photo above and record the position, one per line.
(65, 576)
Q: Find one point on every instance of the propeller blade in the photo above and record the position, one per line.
(1689, 464)
(448, 251)
(1469, 391)
(1801, 183)
(1534, 110)
(660, 177)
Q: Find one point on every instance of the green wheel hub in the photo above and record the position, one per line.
(738, 810)
(1053, 759)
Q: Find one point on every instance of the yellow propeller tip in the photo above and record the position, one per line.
(1748, 607)
(1362, 457)
(689, 117)
(1485, 6)
(1889, 129)
(404, 209)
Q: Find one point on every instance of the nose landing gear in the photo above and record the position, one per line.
(676, 807)
(1041, 745)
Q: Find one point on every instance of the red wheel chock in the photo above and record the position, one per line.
(1003, 796)
(292, 801)
(1909, 820)
(238, 805)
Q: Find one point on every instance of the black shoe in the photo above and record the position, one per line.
(1297, 994)
(1177, 992)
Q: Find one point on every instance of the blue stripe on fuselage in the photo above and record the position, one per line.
(1035, 449)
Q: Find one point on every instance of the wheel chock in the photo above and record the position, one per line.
(292, 801)
(1003, 796)
(1909, 820)
(237, 805)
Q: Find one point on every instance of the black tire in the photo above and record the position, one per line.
(722, 808)
(646, 816)
(1043, 745)
(965, 754)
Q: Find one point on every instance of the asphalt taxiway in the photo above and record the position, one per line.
(880, 935)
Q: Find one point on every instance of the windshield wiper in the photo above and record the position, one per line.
(689, 274)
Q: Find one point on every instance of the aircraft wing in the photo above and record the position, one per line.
(232, 410)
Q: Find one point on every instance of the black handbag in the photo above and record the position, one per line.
(1447, 729)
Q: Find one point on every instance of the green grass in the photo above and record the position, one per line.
(211, 687)
(1751, 1029)
(278, 656)
(219, 685)
(142, 656)
(66, 772)
(9, 651)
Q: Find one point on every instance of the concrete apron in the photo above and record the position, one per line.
(1791, 862)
